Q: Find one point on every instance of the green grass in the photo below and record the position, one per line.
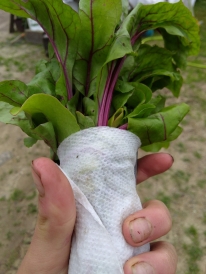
(164, 198)
(185, 159)
(200, 8)
(201, 183)
(17, 224)
(197, 155)
(9, 63)
(181, 178)
(181, 147)
(193, 251)
(22, 232)
(18, 209)
(17, 195)
(14, 255)
(9, 235)
(31, 209)
(32, 195)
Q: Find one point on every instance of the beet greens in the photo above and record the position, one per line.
(100, 72)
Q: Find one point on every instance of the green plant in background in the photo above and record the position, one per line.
(193, 250)
(9, 235)
(100, 73)
(164, 198)
(181, 177)
(31, 209)
(12, 258)
(201, 183)
(17, 195)
(197, 155)
(31, 196)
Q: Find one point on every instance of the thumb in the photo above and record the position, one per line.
(50, 245)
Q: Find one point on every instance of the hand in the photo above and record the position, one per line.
(149, 224)
(50, 245)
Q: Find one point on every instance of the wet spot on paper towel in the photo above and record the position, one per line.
(4, 157)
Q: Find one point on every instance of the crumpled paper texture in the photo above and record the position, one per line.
(99, 164)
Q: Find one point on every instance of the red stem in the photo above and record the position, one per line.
(125, 126)
(111, 91)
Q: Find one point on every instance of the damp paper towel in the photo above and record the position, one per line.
(99, 163)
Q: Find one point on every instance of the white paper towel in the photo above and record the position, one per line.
(99, 163)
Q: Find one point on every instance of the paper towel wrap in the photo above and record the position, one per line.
(99, 163)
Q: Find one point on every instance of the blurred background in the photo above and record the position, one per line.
(182, 188)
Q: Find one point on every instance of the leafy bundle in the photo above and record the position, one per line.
(100, 73)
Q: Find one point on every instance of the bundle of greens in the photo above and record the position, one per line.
(91, 100)
(100, 73)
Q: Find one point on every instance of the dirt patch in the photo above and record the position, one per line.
(18, 197)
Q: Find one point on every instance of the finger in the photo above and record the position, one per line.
(160, 260)
(148, 224)
(50, 245)
(153, 164)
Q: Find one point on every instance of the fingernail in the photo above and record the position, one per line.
(140, 230)
(142, 268)
(37, 180)
(172, 158)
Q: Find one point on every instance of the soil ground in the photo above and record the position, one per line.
(182, 188)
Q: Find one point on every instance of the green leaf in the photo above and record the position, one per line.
(59, 21)
(155, 69)
(140, 111)
(84, 121)
(14, 8)
(137, 95)
(63, 121)
(120, 46)
(175, 134)
(46, 132)
(43, 132)
(150, 58)
(157, 146)
(117, 119)
(120, 99)
(19, 120)
(13, 92)
(61, 90)
(158, 79)
(29, 141)
(5, 115)
(90, 108)
(175, 19)
(123, 87)
(51, 66)
(99, 20)
(45, 79)
(73, 103)
(141, 94)
(159, 102)
(158, 127)
(125, 8)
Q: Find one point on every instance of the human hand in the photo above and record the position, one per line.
(50, 245)
(151, 223)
